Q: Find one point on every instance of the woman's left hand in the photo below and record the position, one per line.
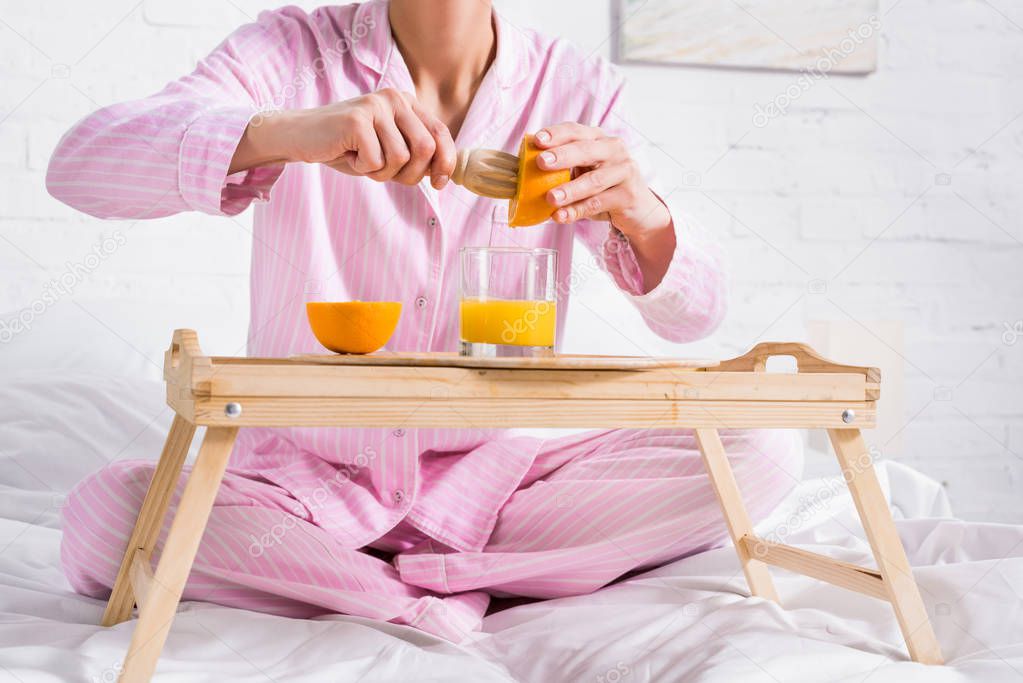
(607, 183)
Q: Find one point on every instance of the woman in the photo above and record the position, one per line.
(331, 120)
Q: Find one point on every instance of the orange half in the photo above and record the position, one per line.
(529, 205)
(353, 326)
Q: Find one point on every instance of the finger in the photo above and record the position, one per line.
(396, 153)
(345, 163)
(588, 184)
(445, 154)
(561, 133)
(367, 156)
(420, 146)
(592, 207)
(583, 153)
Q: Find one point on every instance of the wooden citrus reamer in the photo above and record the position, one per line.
(487, 172)
(224, 394)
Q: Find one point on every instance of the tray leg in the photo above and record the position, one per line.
(726, 489)
(157, 613)
(858, 470)
(150, 519)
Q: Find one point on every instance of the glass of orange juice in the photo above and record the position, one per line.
(508, 303)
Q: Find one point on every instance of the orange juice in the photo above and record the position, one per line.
(515, 322)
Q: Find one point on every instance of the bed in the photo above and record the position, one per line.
(689, 620)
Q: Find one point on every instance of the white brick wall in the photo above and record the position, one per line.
(829, 193)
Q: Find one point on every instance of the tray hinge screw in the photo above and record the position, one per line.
(848, 415)
(233, 409)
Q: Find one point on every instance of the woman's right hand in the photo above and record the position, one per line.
(385, 135)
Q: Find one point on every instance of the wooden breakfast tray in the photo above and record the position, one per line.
(224, 394)
(561, 361)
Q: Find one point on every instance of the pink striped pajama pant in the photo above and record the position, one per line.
(593, 506)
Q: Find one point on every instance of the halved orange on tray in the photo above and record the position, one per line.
(353, 326)
(529, 205)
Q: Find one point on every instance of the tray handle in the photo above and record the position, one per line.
(807, 360)
(184, 364)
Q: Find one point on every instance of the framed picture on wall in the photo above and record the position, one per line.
(838, 36)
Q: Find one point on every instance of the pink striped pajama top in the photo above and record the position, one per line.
(322, 235)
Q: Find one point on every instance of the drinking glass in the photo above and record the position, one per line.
(508, 304)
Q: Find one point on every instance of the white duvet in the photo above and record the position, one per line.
(687, 621)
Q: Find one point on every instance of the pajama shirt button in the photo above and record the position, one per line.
(432, 222)
(421, 303)
(399, 432)
(399, 496)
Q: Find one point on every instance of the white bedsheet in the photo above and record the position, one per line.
(686, 621)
